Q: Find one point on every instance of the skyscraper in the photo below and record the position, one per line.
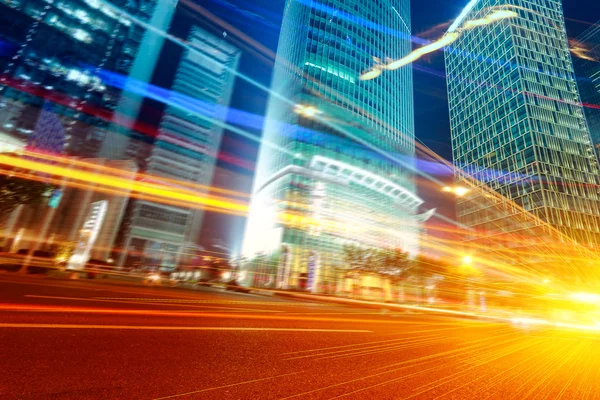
(55, 51)
(586, 58)
(185, 148)
(517, 122)
(334, 165)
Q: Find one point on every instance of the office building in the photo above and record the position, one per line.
(586, 59)
(518, 126)
(63, 223)
(185, 149)
(334, 167)
(56, 50)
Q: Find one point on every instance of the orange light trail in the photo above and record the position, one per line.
(141, 188)
(122, 193)
(128, 175)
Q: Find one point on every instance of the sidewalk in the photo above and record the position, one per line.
(375, 304)
(140, 280)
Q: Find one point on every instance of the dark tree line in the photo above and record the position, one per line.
(393, 263)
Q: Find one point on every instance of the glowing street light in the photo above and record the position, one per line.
(459, 191)
(586, 297)
(306, 111)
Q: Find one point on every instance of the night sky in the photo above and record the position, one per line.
(261, 19)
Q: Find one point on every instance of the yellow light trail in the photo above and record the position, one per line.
(142, 188)
(116, 192)
(128, 174)
(579, 50)
(446, 40)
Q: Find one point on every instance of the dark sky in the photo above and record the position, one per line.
(260, 20)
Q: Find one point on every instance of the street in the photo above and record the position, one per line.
(63, 339)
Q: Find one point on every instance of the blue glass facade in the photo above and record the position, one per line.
(517, 122)
(185, 149)
(55, 49)
(336, 154)
(587, 68)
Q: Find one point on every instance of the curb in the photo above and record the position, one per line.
(408, 309)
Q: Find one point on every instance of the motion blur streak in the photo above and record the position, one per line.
(123, 193)
(176, 100)
(107, 115)
(139, 176)
(578, 49)
(173, 328)
(192, 314)
(446, 40)
(142, 188)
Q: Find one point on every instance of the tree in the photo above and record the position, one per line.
(357, 257)
(15, 191)
(394, 263)
(387, 262)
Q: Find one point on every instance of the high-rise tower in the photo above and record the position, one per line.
(586, 58)
(517, 122)
(57, 50)
(334, 165)
(185, 148)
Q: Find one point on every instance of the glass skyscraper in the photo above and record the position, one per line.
(587, 68)
(334, 165)
(185, 149)
(517, 122)
(55, 50)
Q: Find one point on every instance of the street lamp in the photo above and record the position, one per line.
(306, 111)
(458, 191)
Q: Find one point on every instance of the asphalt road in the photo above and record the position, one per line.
(99, 340)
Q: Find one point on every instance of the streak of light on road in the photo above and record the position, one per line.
(227, 386)
(177, 328)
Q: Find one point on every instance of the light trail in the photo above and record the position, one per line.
(122, 193)
(360, 21)
(141, 188)
(107, 115)
(176, 184)
(176, 328)
(399, 366)
(179, 101)
(579, 50)
(446, 40)
(226, 386)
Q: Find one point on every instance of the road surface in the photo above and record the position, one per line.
(101, 340)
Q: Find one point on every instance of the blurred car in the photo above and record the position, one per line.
(95, 267)
(204, 282)
(234, 286)
(42, 261)
(12, 261)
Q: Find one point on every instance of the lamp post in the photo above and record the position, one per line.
(306, 110)
(458, 191)
(466, 269)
